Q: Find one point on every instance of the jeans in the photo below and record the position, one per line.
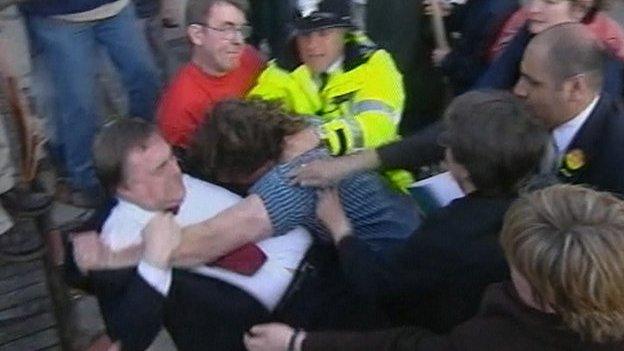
(69, 50)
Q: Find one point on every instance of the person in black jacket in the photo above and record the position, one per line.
(436, 279)
(586, 123)
(564, 246)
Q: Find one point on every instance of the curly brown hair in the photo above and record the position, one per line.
(241, 136)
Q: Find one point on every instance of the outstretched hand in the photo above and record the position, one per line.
(328, 172)
(270, 337)
(320, 173)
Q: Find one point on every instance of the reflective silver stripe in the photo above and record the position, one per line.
(375, 106)
(357, 138)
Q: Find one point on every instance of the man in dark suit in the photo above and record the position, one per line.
(203, 307)
(561, 79)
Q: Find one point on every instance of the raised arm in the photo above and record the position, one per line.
(204, 242)
(410, 153)
(247, 221)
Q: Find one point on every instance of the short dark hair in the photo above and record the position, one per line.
(196, 10)
(494, 137)
(112, 145)
(570, 50)
(240, 136)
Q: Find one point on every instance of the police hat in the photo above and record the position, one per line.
(316, 15)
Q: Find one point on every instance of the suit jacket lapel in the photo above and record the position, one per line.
(577, 159)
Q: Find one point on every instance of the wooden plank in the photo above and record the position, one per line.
(13, 269)
(26, 294)
(30, 308)
(23, 280)
(25, 327)
(28, 319)
(41, 340)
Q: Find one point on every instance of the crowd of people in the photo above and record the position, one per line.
(259, 198)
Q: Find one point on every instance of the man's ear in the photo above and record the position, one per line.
(195, 33)
(576, 88)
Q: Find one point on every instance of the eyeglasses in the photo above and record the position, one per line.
(230, 32)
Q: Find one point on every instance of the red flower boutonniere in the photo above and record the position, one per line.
(573, 161)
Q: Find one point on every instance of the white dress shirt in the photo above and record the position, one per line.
(564, 134)
(202, 201)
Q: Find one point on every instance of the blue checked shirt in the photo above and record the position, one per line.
(379, 216)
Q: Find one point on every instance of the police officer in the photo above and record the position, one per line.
(336, 74)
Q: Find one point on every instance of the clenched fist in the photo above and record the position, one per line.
(161, 237)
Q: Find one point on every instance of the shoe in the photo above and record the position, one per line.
(25, 202)
(21, 243)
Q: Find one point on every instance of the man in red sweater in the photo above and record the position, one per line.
(222, 66)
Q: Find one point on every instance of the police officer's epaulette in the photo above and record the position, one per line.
(358, 49)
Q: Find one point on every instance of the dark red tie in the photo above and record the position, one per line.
(245, 260)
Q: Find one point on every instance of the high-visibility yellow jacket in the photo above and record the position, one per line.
(361, 104)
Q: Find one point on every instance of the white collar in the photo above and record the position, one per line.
(564, 133)
(137, 213)
(142, 215)
(336, 65)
